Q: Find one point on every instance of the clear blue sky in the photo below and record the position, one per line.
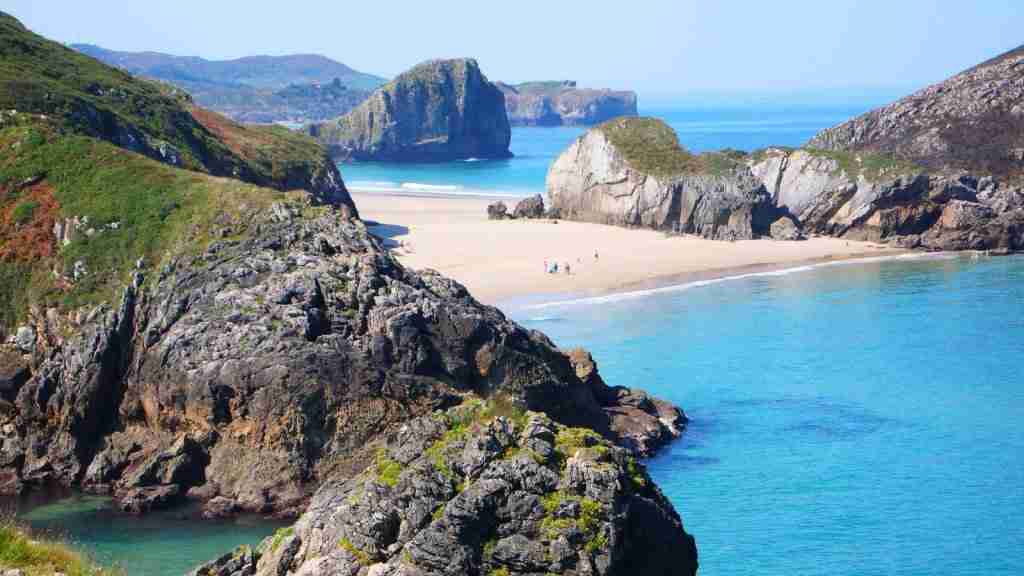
(658, 47)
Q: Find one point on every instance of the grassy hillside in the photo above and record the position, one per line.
(651, 146)
(39, 556)
(84, 96)
(122, 206)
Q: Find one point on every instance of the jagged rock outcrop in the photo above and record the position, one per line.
(632, 172)
(246, 373)
(474, 492)
(497, 211)
(973, 121)
(866, 196)
(562, 103)
(437, 111)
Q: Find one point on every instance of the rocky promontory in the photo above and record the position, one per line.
(633, 172)
(564, 104)
(481, 489)
(940, 169)
(437, 111)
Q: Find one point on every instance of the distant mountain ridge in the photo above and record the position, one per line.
(255, 89)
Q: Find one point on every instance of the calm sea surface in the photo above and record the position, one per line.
(846, 420)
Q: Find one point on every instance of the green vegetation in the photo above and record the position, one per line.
(23, 212)
(503, 571)
(37, 556)
(135, 207)
(279, 537)
(588, 521)
(362, 557)
(870, 165)
(470, 415)
(651, 146)
(636, 475)
(388, 470)
(569, 440)
(84, 96)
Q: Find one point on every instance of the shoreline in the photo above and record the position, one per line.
(688, 280)
(504, 262)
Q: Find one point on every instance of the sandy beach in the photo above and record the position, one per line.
(505, 260)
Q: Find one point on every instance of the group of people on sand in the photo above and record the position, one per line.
(552, 267)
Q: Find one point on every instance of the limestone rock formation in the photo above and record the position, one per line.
(564, 104)
(437, 111)
(253, 369)
(632, 172)
(497, 211)
(479, 490)
(868, 196)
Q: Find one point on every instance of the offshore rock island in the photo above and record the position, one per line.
(438, 111)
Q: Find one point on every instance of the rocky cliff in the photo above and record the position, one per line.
(439, 110)
(563, 103)
(244, 373)
(973, 121)
(632, 172)
(940, 169)
(477, 490)
(868, 196)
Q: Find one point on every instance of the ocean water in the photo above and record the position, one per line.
(853, 419)
(699, 130)
(162, 543)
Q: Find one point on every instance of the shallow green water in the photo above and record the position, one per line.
(159, 544)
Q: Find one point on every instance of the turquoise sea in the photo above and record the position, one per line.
(852, 419)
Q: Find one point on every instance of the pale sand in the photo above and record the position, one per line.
(504, 260)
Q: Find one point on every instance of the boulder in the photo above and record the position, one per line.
(142, 500)
(632, 172)
(438, 111)
(786, 228)
(532, 207)
(497, 211)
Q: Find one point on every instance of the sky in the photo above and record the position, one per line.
(663, 49)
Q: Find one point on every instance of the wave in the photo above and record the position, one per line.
(430, 187)
(472, 160)
(636, 294)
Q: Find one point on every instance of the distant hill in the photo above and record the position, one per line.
(257, 89)
(558, 103)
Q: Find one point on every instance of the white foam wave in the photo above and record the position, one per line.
(472, 160)
(430, 187)
(635, 294)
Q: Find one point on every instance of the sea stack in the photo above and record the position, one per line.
(438, 111)
(633, 172)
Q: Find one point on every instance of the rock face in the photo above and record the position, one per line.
(973, 121)
(867, 197)
(603, 178)
(562, 103)
(440, 110)
(469, 492)
(245, 374)
(497, 211)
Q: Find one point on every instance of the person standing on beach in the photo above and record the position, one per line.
(595, 254)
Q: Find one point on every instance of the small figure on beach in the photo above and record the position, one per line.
(567, 269)
(595, 254)
(546, 268)
(554, 268)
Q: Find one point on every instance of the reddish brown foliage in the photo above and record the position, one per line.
(31, 240)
